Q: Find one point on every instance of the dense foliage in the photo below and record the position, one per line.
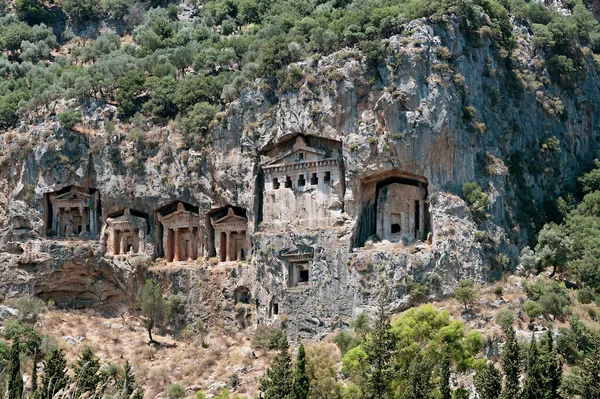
(186, 69)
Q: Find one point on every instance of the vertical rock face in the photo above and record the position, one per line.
(361, 151)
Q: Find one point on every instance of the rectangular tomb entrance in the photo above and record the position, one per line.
(299, 272)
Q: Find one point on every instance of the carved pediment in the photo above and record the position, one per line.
(180, 218)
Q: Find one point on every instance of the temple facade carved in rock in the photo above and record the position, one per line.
(126, 233)
(401, 212)
(230, 239)
(303, 184)
(178, 233)
(72, 212)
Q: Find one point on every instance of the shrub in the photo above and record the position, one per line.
(30, 308)
(345, 341)
(586, 295)
(290, 78)
(533, 309)
(477, 199)
(552, 297)
(465, 293)
(176, 391)
(504, 318)
(69, 118)
(361, 324)
(266, 337)
(498, 291)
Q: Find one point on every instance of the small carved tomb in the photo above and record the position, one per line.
(72, 212)
(126, 233)
(180, 234)
(298, 268)
(230, 237)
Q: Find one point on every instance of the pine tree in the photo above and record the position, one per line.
(510, 364)
(551, 367)
(488, 382)
(419, 384)
(533, 386)
(15, 378)
(278, 382)
(379, 347)
(86, 373)
(55, 374)
(127, 385)
(301, 382)
(591, 375)
(445, 391)
(34, 377)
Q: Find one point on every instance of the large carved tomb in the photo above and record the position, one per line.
(72, 212)
(231, 243)
(394, 208)
(126, 232)
(303, 184)
(178, 230)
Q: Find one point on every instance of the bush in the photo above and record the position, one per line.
(586, 295)
(345, 341)
(69, 118)
(176, 391)
(477, 200)
(465, 293)
(533, 309)
(504, 318)
(551, 297)
(30, 308)
(266, 337)
(197, 121)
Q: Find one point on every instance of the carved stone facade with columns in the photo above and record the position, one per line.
(231, 243)
(125, 233)
(180, 239)
(303, 184)
(72, 212)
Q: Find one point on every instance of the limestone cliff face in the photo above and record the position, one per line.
(435, 109)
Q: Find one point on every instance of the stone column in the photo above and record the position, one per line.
(177, 257)
(411, 218)
(228, 247)
(55, 225)
(123, 244)
(421, 219)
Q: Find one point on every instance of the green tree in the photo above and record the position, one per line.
(551, 367)
(465, 293)
(197, 121)
(554, 247)
(488, 382)
(477, 200)
(153, 305)
(533, 385)
(69, 118)
(129, 92)
(176, 312)
(127, 386)
(301, 382)
(55, 374)
(379, 348)
(510, 364)
(15, 378)
(31, 11)
(591, 375)
(418, 381)
(81, 11)
(34, 376)
(445, 391)
(278, 382)
(86, 373)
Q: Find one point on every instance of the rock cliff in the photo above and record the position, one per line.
(431, 107)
